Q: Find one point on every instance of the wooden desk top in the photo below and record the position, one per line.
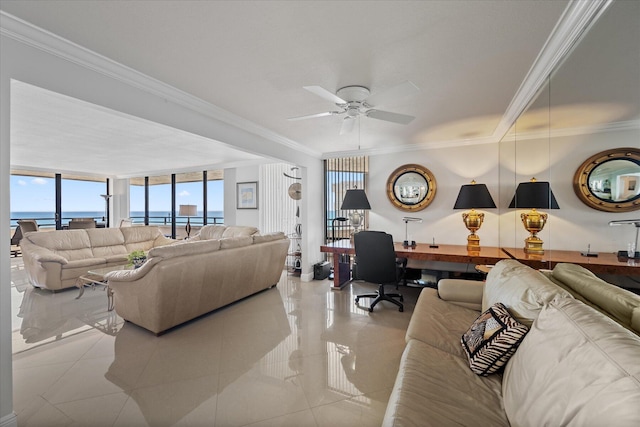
(606, 263)
(422, 251)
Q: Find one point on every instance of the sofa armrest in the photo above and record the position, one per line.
(465, 293)
(41, 255)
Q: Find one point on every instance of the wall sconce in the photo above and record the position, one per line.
(472, 196)
(355, 200)
(188, 211)
(534, 195)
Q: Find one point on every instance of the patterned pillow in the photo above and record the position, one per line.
(492, 340)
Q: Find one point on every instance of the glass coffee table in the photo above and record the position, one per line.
(95, 276)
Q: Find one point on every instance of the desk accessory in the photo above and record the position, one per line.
(588, 253)
(407, 220)
(631, 252)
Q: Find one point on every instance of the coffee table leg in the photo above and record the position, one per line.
(109, 299)
(80, 285)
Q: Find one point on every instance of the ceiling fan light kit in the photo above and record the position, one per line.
(355, 101)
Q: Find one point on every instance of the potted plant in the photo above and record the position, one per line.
(137, 258)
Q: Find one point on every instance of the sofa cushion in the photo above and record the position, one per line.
(70, 244)
(492, 339)
(436, 388)
(235, 242)
(106, 242)
(139, 238)
(209, 232)
(576, 366)
(239, 230)
(622, 305)
(439, 323)
(523, 290)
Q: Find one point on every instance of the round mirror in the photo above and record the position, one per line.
(610, 181)
(411, 188)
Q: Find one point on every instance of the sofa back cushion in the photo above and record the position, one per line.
(618, 303)
(106, 242)
(577, 367)
(209, 232)
(139, 238)
(523, 290)
(70, 244)
(235, 242)
(239, 230)
(269, 237)
(185, 248)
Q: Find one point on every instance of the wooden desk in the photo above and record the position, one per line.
(422, 251)
(604, 263)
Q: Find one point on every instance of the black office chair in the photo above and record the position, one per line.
(377, 263)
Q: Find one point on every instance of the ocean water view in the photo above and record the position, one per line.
(47, 219)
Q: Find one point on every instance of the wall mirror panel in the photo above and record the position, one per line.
(590, 104)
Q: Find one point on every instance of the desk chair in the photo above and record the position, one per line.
(377, 263)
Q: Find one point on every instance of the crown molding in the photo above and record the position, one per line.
(575, 22)
(33, 36)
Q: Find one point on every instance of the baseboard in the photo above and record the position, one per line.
(10, 420)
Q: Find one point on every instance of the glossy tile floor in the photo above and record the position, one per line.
(299, 355)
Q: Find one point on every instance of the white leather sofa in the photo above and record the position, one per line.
(183, 281)
(579, 364)
(55, 259)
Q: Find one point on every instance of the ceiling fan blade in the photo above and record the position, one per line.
(312, 116)
(390, 117)
(323, 93)
(347, 125)
(391, 94)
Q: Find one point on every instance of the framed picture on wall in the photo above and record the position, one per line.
(247, 195)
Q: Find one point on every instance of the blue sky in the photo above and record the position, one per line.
(35, 194)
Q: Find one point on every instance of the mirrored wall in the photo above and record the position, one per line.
(590, 104)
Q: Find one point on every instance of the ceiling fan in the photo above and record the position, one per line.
(355, 101)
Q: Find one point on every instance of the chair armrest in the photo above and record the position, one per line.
(466, 293)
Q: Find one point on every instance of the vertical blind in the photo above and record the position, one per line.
(278, 209)
(342, 174)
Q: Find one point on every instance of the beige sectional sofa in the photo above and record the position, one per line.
(579, 364)
(183, 281)
(55, 259)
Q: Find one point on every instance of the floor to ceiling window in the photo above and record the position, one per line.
(342, 174)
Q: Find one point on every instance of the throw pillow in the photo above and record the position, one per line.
(492, 339)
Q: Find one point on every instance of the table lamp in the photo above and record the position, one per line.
(188, 211)
(473, 196)
(534, 195)
(355, 200)
(407, 220)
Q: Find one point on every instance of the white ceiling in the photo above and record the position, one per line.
(469, 59)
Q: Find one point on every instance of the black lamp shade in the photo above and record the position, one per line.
(474, 196)
(536, 195)
(355, 200)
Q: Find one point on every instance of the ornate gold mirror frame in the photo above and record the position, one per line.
(610, 181)
(411, 188)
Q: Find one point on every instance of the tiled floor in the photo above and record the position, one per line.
(299, 355)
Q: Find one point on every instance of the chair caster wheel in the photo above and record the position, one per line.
(370, 309)
(401, 309)
(401, 299)
(357, 299)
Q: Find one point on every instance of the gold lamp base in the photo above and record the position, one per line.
(533, 222)
(473, 220)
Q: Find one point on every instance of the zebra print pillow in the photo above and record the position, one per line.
(492, 339)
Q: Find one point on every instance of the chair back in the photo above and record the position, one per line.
(17, 236)
(375, 257)
(27, 225)
(73, 225)
(126, 223)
